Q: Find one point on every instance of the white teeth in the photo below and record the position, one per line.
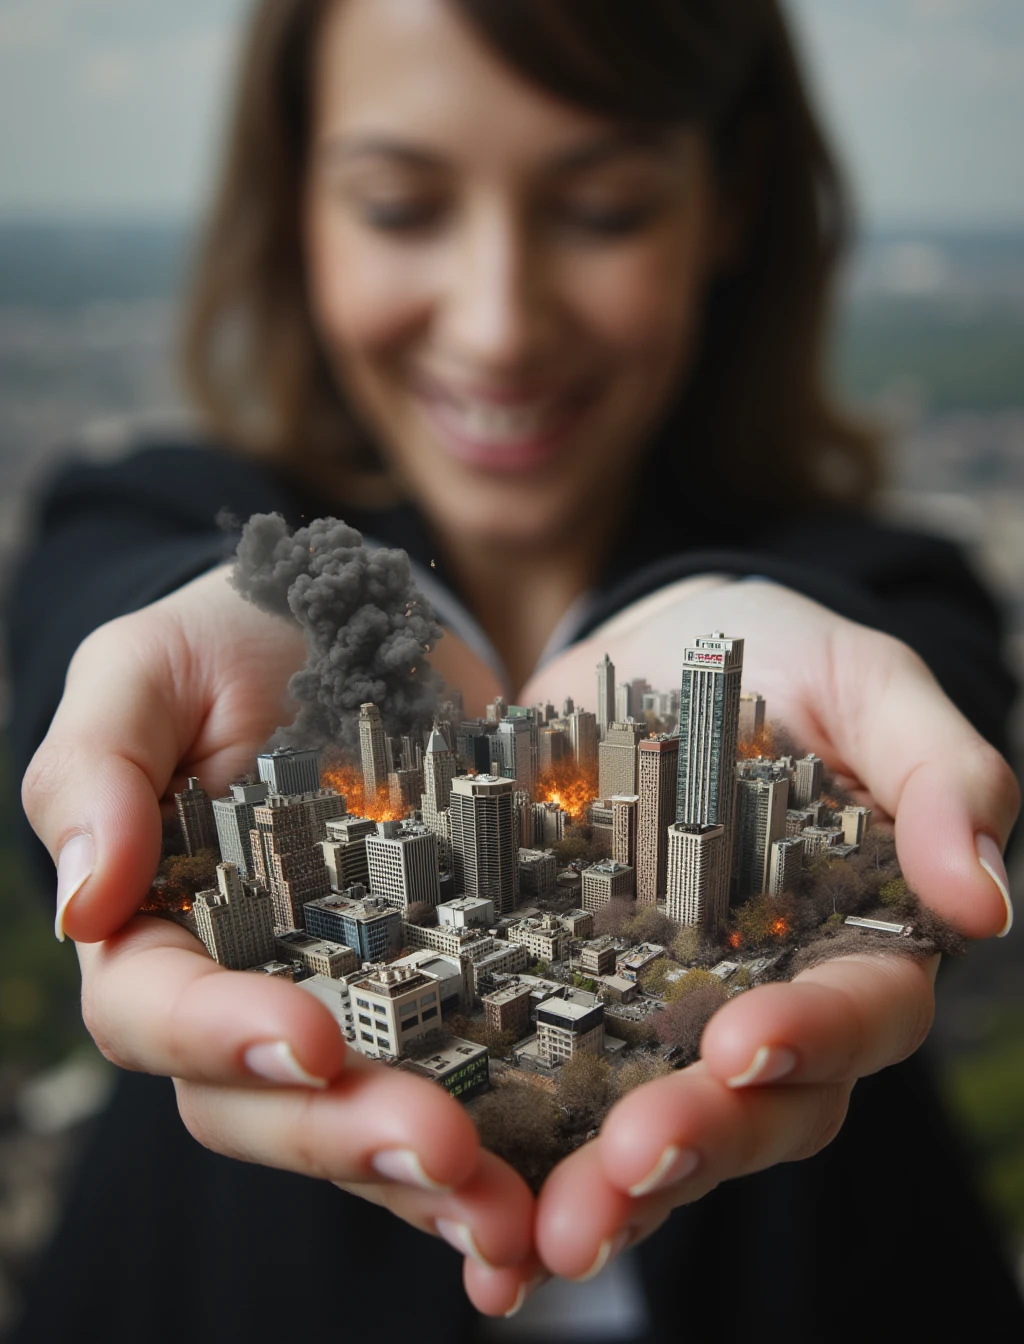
(498, 423)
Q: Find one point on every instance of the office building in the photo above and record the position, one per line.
(514, 748)
(405, 789)
(508, 1010)
(344, 851)
(856, 821)
(402, 859)
(624, 702)
(605, 695)
(233, 819)
(366, 924)
(392, 1006)
(583, 738)
(545, 939)
(570, 1026)
(751, 720)
(624, 828)
(472, 746)
(537, 872)
(709, 704)
(787, 862)
(698, 876)
(657, 781)
(438, 773)
(317, 955)
(606, 881)
(483, 839)
(810, 773)
(323, 805)
(598, 957)
(466, 912)
(195, 818)
(617, 758)
(578, 923)
(461, 1067)
(286, 858)
(372, 751)
(290, 770)
(761, 804)
(552, 748)
(235, 922)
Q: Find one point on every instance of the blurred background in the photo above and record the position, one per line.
(109, 128)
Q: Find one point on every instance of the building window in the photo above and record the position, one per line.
(409, 1023)
(365, 1021)
(428, 1013)
(366, 1036)
(379, 1008)
(362, 1003)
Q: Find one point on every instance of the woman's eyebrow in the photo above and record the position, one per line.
(589, 154)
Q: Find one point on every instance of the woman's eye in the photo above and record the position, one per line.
(610, 223)
(398, 217)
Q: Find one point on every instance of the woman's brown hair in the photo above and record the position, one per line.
(755, 416)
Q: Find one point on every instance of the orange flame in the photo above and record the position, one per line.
(761, 744)
(734, 939)
(348, 780)
(573, 788)
(779, 928)
(166, 899)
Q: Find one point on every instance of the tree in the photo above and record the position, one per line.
(649, 925)
(895, 893)
(584, 1088)
(764, 919)
(682, 1022)
(627, 1029)
(689, 984)
(182, 875)
(573, 847)
(836, 887)
(613, 917)
(422, 913)
(644, 1067)
(519, 1122)
(653, 978)
(686, 946)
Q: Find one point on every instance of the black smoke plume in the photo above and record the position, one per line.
(368, 630)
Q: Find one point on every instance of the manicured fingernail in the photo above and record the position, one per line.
(991, 860)
(675, 1164)
(525, 1289)
(75, 863)
(460, 1236)
(274, 1061)
(608, 1250)
(404, 1166)
(769, 1064)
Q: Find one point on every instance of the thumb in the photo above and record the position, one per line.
(92, 790)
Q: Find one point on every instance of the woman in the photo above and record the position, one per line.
(538, 293)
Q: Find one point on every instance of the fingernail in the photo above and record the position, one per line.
(460, 1236)
(769, 1064)
(608, 1250)
(991, 860)
(274, 1061)
(525, 1289)
(75, 863)
(675, 1164)
(404, 1166)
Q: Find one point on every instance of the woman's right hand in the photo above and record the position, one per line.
(194, 685)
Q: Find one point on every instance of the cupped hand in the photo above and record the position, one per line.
(778, 1062)
(195, 684)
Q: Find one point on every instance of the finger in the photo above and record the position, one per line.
(377, 1122)
(954, 798)
(153, 1000)
(91, 791)
(687, 1132)
(502, 1292)
(836, 1022)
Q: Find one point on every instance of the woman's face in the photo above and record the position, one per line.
(508, 287)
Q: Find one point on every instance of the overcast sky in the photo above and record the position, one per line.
(111, 108)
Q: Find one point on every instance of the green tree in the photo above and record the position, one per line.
(584, 1089)
(894, 893)
(653, 977)
(686, 945)
(764, 919)
(689, 984)
(649, 925)
(644, 1067)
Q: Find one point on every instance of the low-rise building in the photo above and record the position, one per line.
(453, 942)
(335, 995)
(606, 881)
(578, 923)
(391, 1007)
(319, 956)
(545, 939)
(537, 872)
(632, 964)
(344, 851)
(505, 959)
(466, 912)
(817, 839)
(508, 1009)
(368, 925)
(598, 957)
(454, 976)
(570, 1026)
(461, 1067)
(617, 988)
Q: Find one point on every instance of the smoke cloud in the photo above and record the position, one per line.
(367, 627)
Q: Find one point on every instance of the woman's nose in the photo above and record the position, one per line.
(497, 310)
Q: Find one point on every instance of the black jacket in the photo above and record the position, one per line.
(879, 1236)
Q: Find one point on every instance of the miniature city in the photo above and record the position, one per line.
(539, 910)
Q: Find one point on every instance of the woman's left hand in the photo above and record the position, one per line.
(778, 1063)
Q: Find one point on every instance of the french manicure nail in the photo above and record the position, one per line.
(525, 1289)
(770, 1063)
(460, 1236)
(675, 1164)
(991, 860)
(608, 1250)
(274, 1061)
(75, 863)
(404, 1166)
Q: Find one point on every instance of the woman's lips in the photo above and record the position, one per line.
(504, 436)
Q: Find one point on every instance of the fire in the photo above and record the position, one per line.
(571, 787)
(761, 744)
(779, 928)
(166, 899)
(348, 780)
(734, 939)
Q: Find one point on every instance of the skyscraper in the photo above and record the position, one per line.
(233, 819)
(709, 707)
(698, 875)
(751, 715)
(787, 861)
(195, 817)
(515, 746)
(761, 803)
(605, 694)
(617, 758)
(483, 839)
(583, 738)
(402, 859)
(438, 773)
(552, 748)
(372, 751)
(290, 770)
(624, 820)
(658, 771)
(624, 701)
(344, 851)
(810, 771)
(236, 925)
(286, 857)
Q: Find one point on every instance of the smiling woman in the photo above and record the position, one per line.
(538, 294)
